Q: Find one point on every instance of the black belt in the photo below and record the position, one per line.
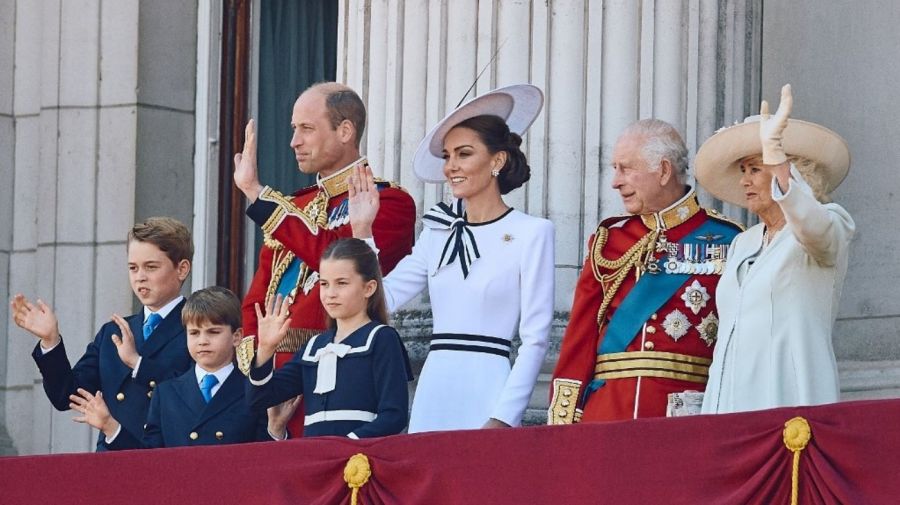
(470, 343)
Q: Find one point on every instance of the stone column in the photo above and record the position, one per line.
(601, 65)
(96, 128)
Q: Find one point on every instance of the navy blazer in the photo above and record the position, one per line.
(163, 356)
(179, 416)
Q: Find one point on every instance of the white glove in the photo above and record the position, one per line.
(771, 128)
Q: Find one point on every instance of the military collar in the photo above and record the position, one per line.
(675, 214)
(336, 183)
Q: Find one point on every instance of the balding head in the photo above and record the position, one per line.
(341, 103)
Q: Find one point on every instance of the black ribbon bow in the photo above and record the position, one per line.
(461, 242)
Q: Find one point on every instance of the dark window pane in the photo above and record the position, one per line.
(297, 47)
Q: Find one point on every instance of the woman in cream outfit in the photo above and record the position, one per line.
(779, 294)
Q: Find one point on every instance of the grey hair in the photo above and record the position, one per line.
(661, 141)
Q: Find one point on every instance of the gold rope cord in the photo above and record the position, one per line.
(356, 473)
(317, 208)
(634, 257)
(796, 436)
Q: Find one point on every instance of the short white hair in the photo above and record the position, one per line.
(661, 142)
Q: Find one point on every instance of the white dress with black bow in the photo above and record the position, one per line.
(487, 282)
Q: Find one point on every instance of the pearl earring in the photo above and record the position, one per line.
(495, 172)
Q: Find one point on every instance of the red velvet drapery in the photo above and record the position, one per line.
(852, 458)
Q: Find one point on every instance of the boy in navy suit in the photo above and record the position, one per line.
(124, 368)
(205, 406)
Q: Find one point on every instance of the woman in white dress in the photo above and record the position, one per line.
(488, 268)
(779, 294)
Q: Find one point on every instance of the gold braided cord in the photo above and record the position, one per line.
(271, 243)
(635, 257)
(356, 473)
(281, 260)
(796, 436)
(314, 214)
(317, 208)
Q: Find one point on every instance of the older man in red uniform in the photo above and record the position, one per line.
(328, 121)
(643, 323)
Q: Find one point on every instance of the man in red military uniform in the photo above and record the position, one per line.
(328, 121)
(643, 323)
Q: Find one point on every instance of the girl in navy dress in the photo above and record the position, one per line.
(354, 375)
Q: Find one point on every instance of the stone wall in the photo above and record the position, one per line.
(96, 130)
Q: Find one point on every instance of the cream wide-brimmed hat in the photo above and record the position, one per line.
(717, 163)
(518, 105)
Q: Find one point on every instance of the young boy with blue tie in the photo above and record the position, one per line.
(124, 368)
(205, 405)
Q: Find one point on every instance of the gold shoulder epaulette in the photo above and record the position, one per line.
(718, 216)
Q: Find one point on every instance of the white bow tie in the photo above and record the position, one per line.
(326, 374)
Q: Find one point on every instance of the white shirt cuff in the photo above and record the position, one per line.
(45, 351)
(371, 242)
(112, 439)
(136, 366)
(285, 437)
(796, 179)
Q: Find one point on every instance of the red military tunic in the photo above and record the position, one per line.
(673, 347)
(297, 230)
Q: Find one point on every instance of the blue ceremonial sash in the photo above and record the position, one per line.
(288, 280)
(650, 293)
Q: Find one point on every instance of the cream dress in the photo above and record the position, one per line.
(777, 305)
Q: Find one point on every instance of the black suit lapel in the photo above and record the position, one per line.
(230, 392)
(168, 329)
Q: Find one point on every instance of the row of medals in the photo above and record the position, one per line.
(693, 259)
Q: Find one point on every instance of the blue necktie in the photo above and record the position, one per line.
(206, 384)
(151, 323)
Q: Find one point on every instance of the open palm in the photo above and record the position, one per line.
(36, 318)
(246, 175)
(364, 201)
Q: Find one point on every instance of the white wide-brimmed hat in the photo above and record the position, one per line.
(717, 163)
(518, 105)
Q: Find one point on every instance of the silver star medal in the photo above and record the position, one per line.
(676, 324)
(695, 297)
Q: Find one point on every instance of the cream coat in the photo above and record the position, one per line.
(774, 341)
